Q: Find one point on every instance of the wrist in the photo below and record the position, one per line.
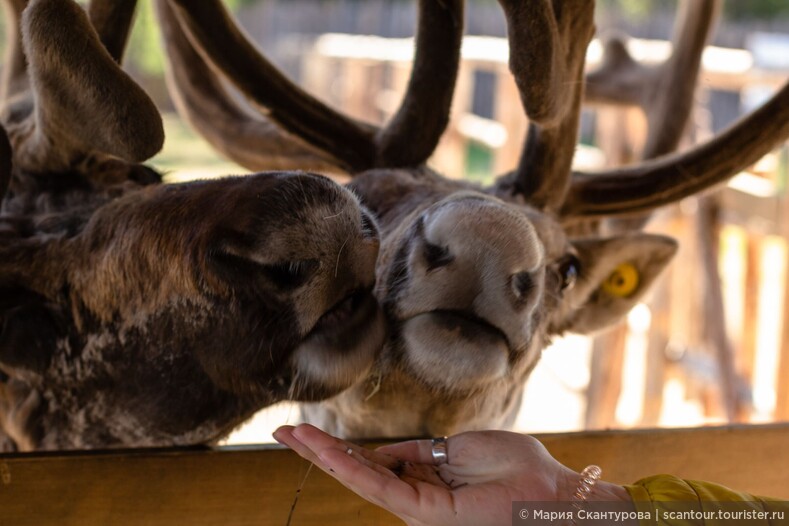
(600, 490)
(589, 495)
(608, 491)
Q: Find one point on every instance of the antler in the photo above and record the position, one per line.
(251, 140)
(55, 125)
(407, 140)
(112, 20)
(548, 42)
(413, 133)
(664, 92)
(550, 85)
(668, 179)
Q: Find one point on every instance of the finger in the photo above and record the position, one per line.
(418, 451)
(411, 498)
(316, 441)
(284, 435)
(422, 472)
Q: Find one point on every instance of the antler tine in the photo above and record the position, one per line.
(669, 113)
(665, 92)
(250, 140)
(112, 20)
(537, 58)
(14, 76)
(651, 184)
(413, 133)
(73, 76)
(548, 42)
(212, 32)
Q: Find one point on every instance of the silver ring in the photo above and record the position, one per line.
(439, 451)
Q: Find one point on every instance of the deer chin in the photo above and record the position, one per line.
(342, 346)
(455, 351)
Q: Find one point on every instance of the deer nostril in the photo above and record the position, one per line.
(522, 284)
(436, 256)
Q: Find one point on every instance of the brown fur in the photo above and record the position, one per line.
(472, 280)
(139, 314)
(474, 285)
(462, 342)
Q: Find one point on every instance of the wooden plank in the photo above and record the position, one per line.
(657, 341)
(753, 265)
(232, 488)
(605, 377)
(449, 158)
(257, 486)
(509, 112)
(782, 375)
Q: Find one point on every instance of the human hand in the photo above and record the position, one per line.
(486, 471)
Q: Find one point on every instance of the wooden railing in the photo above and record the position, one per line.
(260, 485)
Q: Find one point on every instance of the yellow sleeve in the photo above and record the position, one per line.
(678, 502)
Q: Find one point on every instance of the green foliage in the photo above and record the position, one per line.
(732, 9)
(237, 4)
(637, 9)
(144, 52)
(739, 9)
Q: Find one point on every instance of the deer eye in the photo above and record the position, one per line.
(436, 256)
(285, 274)
(523, 283)
(290, 274)
(569, 268)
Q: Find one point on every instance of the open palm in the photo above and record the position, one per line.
(486, 472)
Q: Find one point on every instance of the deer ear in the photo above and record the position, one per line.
(29, 329)
(615, 274)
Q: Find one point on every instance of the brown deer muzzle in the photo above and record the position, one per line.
(463, 289)
(341, 347)
(186, 308)
(304, 259)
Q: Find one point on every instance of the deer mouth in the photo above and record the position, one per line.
(342, 345)
(348, 314)
(467, 325)
(455, 350)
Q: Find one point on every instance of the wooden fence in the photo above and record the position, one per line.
(259, 485)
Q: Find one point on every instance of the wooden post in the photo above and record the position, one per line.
(450, 155)
(713, 316)
(510, 113)
(605, 377)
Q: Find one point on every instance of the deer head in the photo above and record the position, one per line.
(135, 313)
(473, 281)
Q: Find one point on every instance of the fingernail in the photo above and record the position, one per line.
(280, 430)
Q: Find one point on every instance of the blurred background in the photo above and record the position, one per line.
(676, 361)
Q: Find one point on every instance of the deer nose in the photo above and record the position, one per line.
(522, 284)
